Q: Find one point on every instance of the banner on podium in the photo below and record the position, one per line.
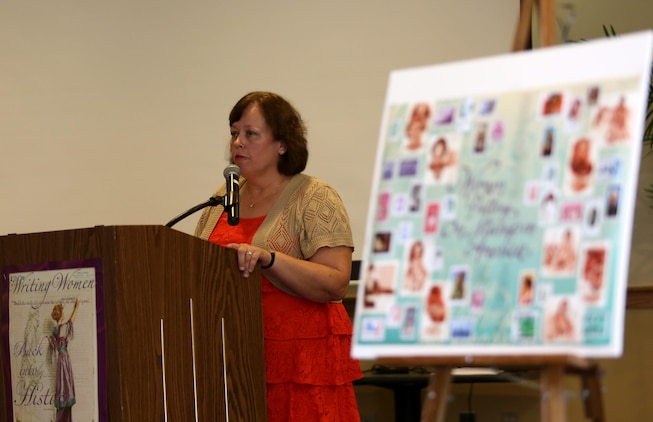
(53, 339)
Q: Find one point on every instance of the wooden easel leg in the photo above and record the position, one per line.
(547, 28)
(547, 22)
(592, 395)
(523, 26)
(552, 395)
(435, 401)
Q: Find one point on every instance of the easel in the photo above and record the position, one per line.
(552, 368)
(546, 10)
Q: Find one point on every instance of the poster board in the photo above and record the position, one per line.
(520, 224)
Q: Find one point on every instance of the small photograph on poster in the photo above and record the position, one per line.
(527, 288)
(373, 328)
(560, 252)
(477, 301)
(383, 209)
(487, 107)
(612, 202)
(593, 271)
(408, 168)
(437, 313)
(552, 103)
(449, 206)
(548, 141)
(571, 212)
(416, 272)
(550, 173)
(409, 326)
(380, 285)
(432, 218)
(415, 198)
(581, 166)
(396, 128)
(498, 131)
(417, 126)
(382, 241)
(404, 232)
(532, 192)
(394, 315)
(593, 94)
(609, 168)
(563, 319)
(462, 329)
(524, 325)
(549, 206)
(443, 159)
(388, 170)
(465, 114)
(612, 119)
(593, 217)
(459, 276)
(480, 137)
(574, 115)
(445, 115)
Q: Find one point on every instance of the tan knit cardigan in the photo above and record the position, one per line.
(308, 215)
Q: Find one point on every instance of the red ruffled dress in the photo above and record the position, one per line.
(309, 371)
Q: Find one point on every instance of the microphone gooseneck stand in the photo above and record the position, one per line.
(211, 202)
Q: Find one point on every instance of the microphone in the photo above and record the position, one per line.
(232, 197)
(230, 201)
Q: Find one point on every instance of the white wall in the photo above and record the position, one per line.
(116, 112)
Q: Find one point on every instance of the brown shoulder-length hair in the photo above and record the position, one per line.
(57, 310)
(286, 124)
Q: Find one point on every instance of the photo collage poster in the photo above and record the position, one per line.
(53, 341)
(502, 204)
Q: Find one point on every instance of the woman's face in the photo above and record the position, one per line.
(421, 113)
(582, 150)
(436, 294)
(414, 132)
(562, 308)
(439, 149)
(253, 147)
(417, 251)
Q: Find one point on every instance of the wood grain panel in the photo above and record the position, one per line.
(150, 274)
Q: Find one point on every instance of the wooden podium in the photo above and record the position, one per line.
(184, 337)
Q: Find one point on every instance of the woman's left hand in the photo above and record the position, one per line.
(324, 277)
(248, 256)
